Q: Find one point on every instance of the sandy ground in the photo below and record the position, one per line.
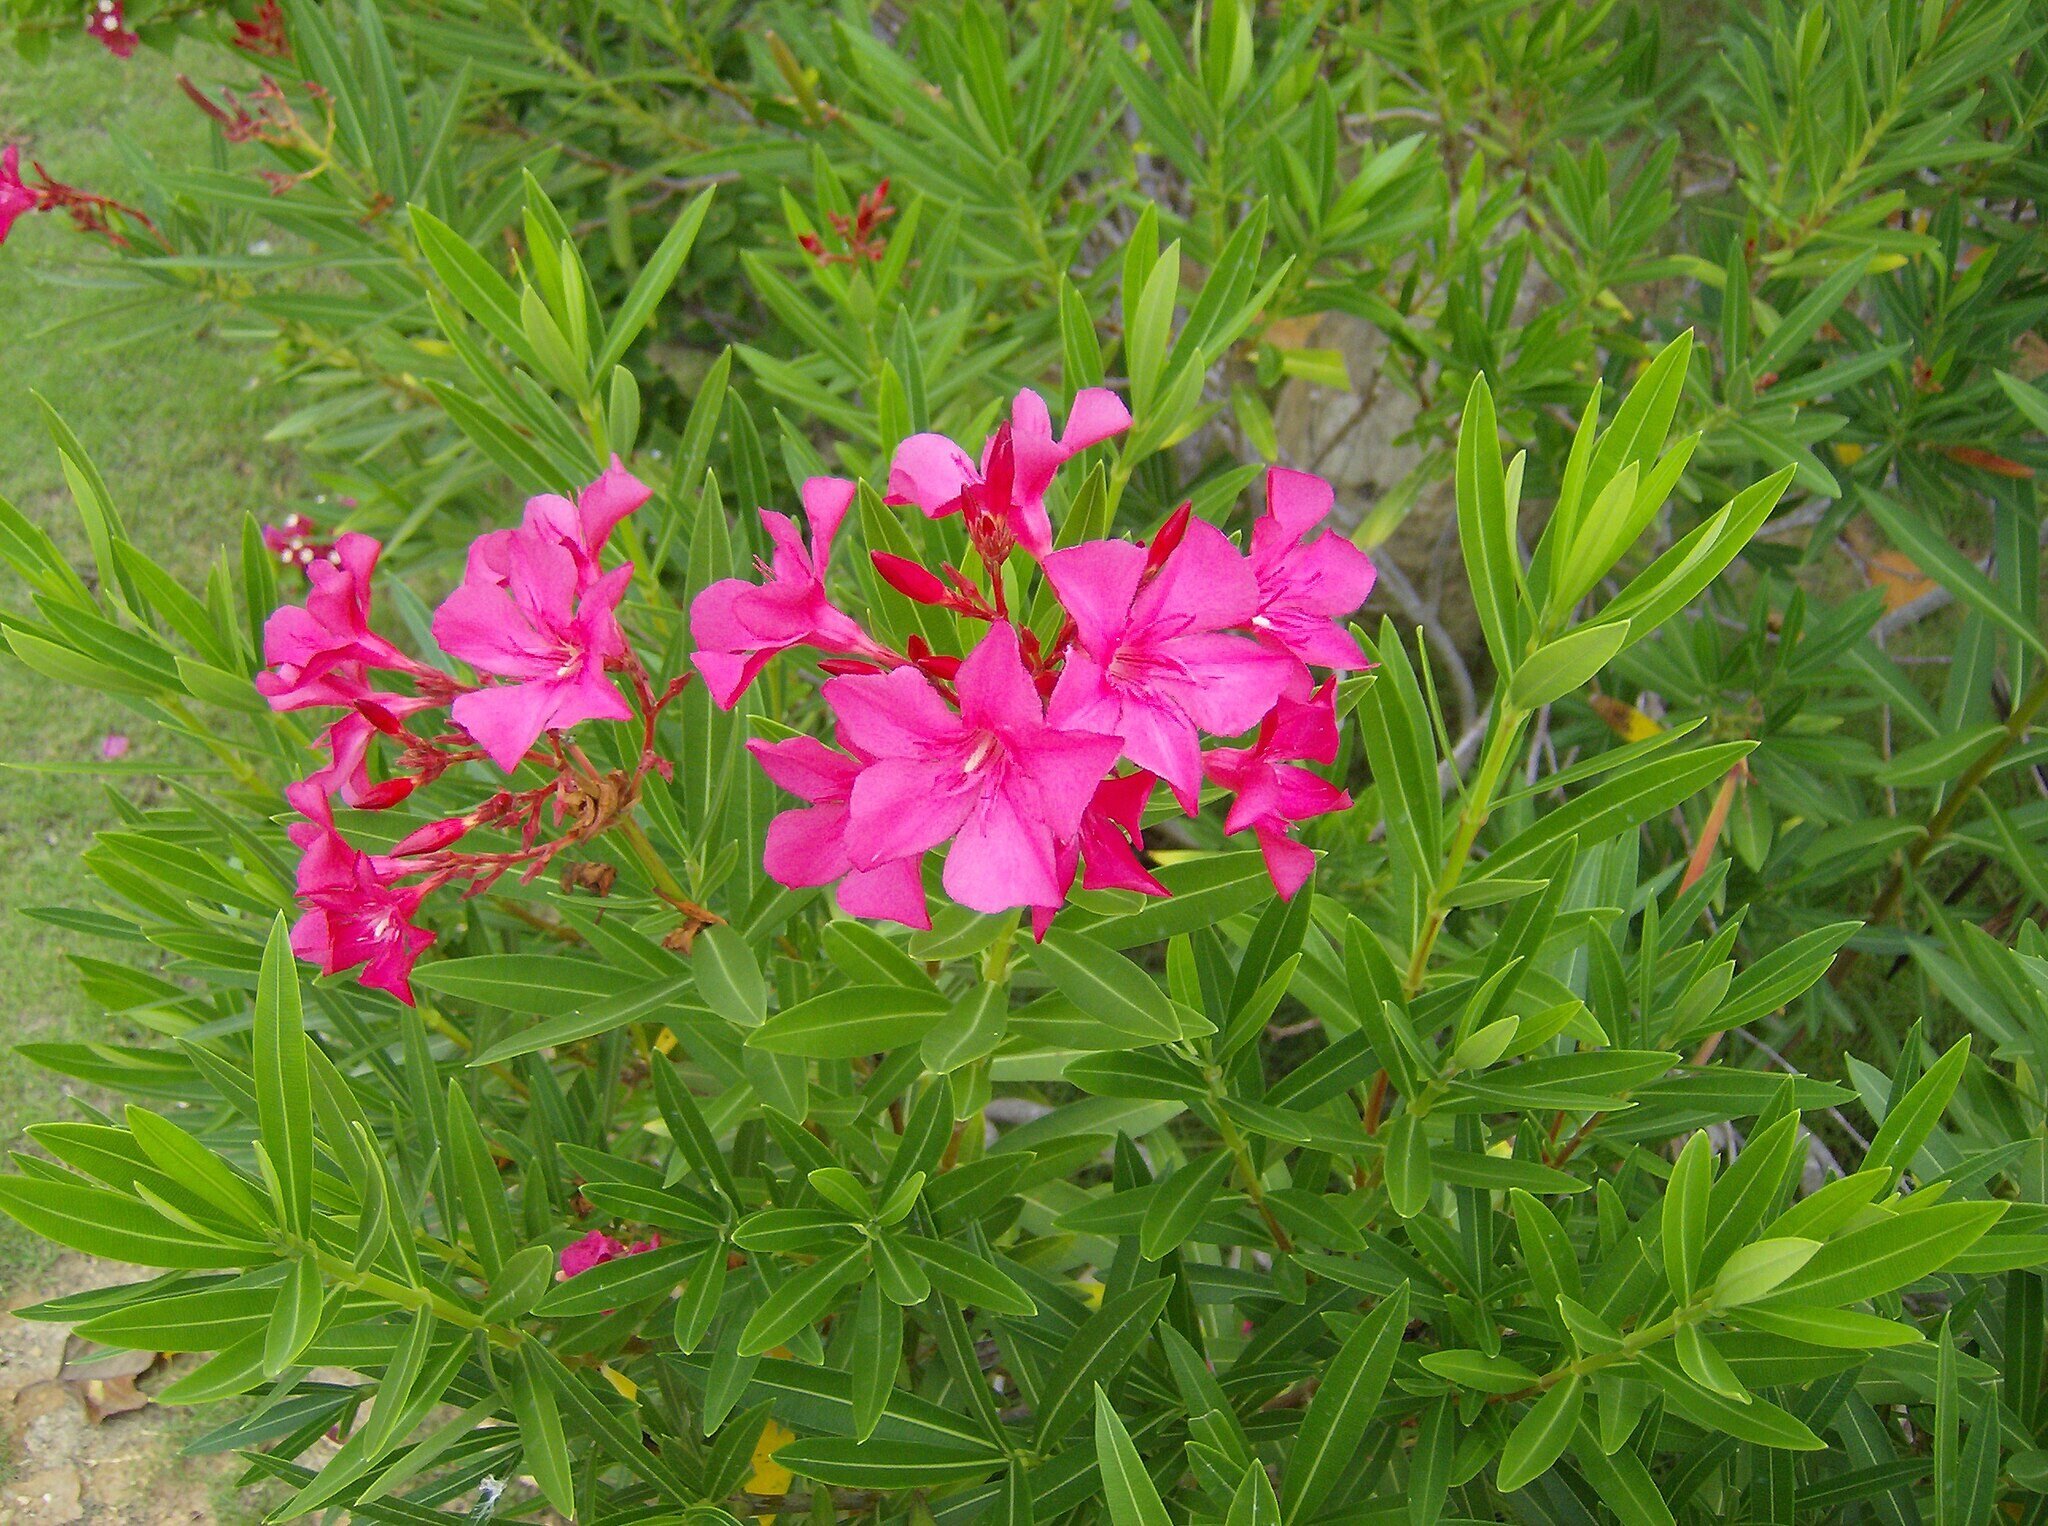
(76, 1451)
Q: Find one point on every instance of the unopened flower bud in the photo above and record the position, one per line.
(431, 838)
(912, 581)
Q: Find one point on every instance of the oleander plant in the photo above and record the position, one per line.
(844, 879)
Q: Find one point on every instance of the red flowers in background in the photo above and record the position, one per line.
(535, 618)
(265, 36)
(107, 24)
(1011, 754)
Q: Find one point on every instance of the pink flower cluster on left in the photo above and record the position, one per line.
(535, 617)
(1036, 753)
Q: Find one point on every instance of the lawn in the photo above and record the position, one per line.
(177, 430)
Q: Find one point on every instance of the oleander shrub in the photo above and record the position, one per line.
(815, 891)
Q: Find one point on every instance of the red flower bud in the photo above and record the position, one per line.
(431, 838)
(912, 581)
(840, 667)
(1169, 537)
(381, 797)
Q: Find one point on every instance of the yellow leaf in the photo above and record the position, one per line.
(1624, 719)
(1091, 1291)
(628, 1389)
(770, 1476)
(1848, 453)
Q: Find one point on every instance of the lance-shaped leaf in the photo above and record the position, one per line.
(1326, 1447)
(284, 1087)
(1126, 1487)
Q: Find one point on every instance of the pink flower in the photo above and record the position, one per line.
(996, 779)
(355, 910)
(15, 198)
(113, 746)
(316, 653)
(1017, 466)
(1273, 794)
(1106, 847)
(584, 526)
(1154, 661)
(347, 744)
(524, 613)
(1306, 587)
(807, 846)
(738, 626)
(596, 1248)
(107, 22)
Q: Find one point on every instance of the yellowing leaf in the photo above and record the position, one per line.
(627, 1388)
(1624, 719)
(770, 1476)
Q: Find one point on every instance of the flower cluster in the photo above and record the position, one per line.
(107, 24)
(1036, 754)
(89, 212)
(535, 617)
(861, 233)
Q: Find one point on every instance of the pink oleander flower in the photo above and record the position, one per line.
(347, 744)
(107, 22)
(596, 1248)
(1106, 848)
(523, 613)
(1272, 793)
(994, 777)
(1155, 659)
(1017, 466)
(15, 197)
(113, 747)
(738, 626)
(355, 910)
(317, 653)
(584, 526)
(807, 846)
(1306, 586)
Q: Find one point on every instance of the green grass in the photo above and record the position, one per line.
(177, 430)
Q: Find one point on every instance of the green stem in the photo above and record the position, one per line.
(419, 1300)
(1472, 818)
(1943, 820)
(665, 884)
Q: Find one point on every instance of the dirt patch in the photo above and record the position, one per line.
(86, 1443)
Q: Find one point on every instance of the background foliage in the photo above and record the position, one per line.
(1649, 1093)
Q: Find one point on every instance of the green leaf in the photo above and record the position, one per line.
(1916, 536)
(284, 1088)
(1181, 1200)
(294, 1318)
(850, 1022)
(1095, 1354)
(1891, 1253)
(800, 1300)
(1685, 1214)
(1126, 1486)
(729, 977)
(1540, 1436)
(545, 1447)
(1408, 1174)
(1334, 1424)
(1911, 1118)
(963, 1275)
(1756, 1269)
(1486, 529)
(478, 1184)
(969, 1031)
(1556, 669)
(876, 1354)
(656, 276)
(885, 1465)
(1107, 986)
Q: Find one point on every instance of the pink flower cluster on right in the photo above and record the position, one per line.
(1036, 753)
